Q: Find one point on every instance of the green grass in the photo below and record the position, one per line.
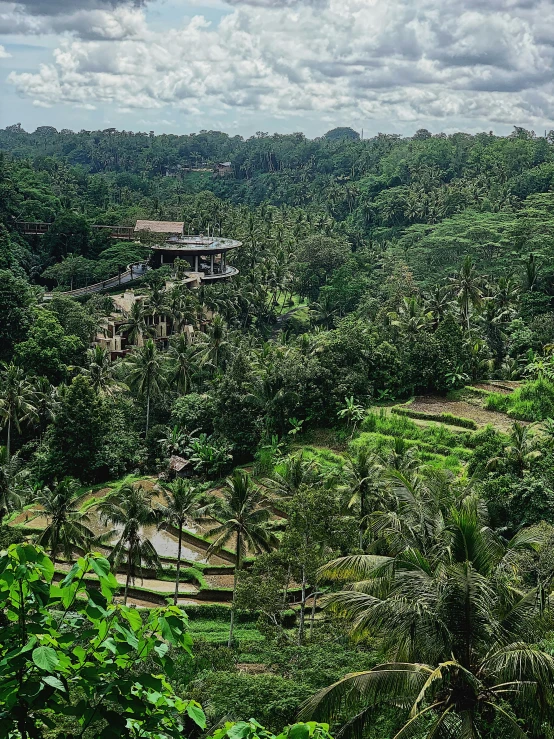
(533, 401)
(403, 427)
(448, 418)
(429, 454)
(218, 631)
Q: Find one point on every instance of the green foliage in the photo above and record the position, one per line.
(48, 351)
(69, 652)
(75, 439)
(533, 401)
(15, 302)
(272, 698)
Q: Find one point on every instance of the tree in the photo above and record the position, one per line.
(135, 325)
(184, 360)
(185, 504)
(16, 401)
(66, 529)
(318, 257)
(130, 508)
(69, 234)
(112, 684)
(243, 517)
(315, 526)
(342, 133)
(71, 272)
(214, 344)
(101, 371)
(48, 351)
(16, 300)
(14, 482)
(76, 436)
(521, 451)
(467, 287)
(75, 318)
(144, 374)
(457, 629)
(364, 483)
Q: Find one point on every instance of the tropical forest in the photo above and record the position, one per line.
(276, 435)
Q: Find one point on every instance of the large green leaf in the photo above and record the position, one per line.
(45, 658)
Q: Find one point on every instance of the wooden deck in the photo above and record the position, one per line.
(35, 228)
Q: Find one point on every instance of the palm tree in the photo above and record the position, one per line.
(364, 481)
(295, 471)
(135, 325)
(14, 482)
(457, 627)
(183, 358)
(101, 371)
(45, 400)
(521, 450)
(243, 516)
(66, 529)
(214, 342)
(17, 402)
(144, 373)
(467, 286)
(130, 509)
(185, 503)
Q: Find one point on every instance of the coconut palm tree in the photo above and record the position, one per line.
(101, 371)
(457, 624)
(243, 516)
(130, 509)
(135, 324)
(45, 400)
(66, 529)
(214, 343)
(364, 482)
(17, 402)
(184, 361)
(144, 373)
(183, 504)
(521, 451)
(286, 479)
(467, 288)
(14, 482)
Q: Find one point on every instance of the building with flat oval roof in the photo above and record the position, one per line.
(205, 255)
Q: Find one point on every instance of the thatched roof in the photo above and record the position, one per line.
(161, 227)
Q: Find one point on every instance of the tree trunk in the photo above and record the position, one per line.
(147, 411)
(178, 564)
(362, 516)
(312, 615)
(9, 438)
(237, 568)
(302, 607)
(286, 588)
(128, 578)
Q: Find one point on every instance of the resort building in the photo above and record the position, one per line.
(115, 339)
(206, 256)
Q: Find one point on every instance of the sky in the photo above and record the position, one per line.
(243, 66)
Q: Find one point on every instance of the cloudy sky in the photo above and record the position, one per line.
(278, 65)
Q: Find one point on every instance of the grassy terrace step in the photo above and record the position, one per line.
(448, 418)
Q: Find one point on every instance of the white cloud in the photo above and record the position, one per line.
(402, 60)
(3, 53)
